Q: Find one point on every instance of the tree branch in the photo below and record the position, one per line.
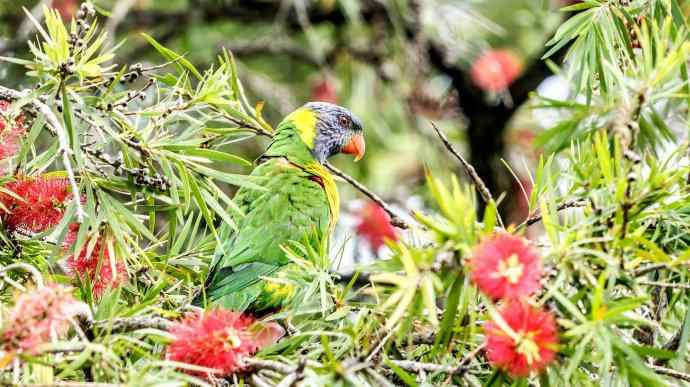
(471, 172)
(670, 372)
(131, 324)
(537, 217)
(395, 219)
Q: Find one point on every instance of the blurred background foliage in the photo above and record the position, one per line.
(397, 64)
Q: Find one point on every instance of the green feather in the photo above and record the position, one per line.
(291, 208)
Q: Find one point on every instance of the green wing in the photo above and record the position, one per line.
(293, 207)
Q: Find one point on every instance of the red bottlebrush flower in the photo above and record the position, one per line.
(375, 226)
(42, 206)
(38, 316)
(94, 262)
(324, 90)
(505, 266)
(10, 133)
(495, 70)
(66, 8)
(218, 339)
(529, 346)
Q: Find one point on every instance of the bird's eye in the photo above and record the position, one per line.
(344, 121)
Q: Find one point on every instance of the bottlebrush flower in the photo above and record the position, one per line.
(90, 264)
(375, 226)
(38, 316)
(10, 133)
(43, 203)
(531, 345)
(66, 8)
(505, 266)
(216, 339)
(495, 70)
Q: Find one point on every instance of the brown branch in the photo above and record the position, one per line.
(670, 372)
(537, 217)
(471, 172)
(254, 364)
(665, 284)
(395, 219)
(648, 269)
(417, 367)
(462, 366)
(131, 324)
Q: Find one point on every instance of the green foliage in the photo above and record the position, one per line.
(155, 151)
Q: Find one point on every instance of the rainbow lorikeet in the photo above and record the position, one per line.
(300, 201)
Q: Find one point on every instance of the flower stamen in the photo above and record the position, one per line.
(511, 269)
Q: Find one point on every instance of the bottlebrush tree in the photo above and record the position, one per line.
(116, 179)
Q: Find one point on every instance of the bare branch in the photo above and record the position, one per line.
(395, 219)
(132, 323)
(670, 372)
(258, 364)
(537, 217)
(665, 284)
(648, 269)
(471, 172)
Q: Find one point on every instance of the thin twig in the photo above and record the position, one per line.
(380, 345)
(670, 372)
(665, 284)
(132, 323)
(395, 219)
(537, 217)
(471, 172)
(38, 278)
(294, 377)
(648, 269)
(462, 366)
(417, 367)
(258, 364)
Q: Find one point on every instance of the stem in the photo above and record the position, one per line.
(670, 372)
(537, 217)
(395, 219)
(38, 278)
(471, 172)
(131, 324)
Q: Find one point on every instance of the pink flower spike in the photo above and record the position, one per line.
(505, 266)
(40, 315)
(42, 204)
(218, 339)
(530, 347)
(95, 263)
(495, 70)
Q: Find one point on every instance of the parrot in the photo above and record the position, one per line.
(299, 201)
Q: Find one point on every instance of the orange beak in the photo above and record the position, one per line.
(355, 147)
